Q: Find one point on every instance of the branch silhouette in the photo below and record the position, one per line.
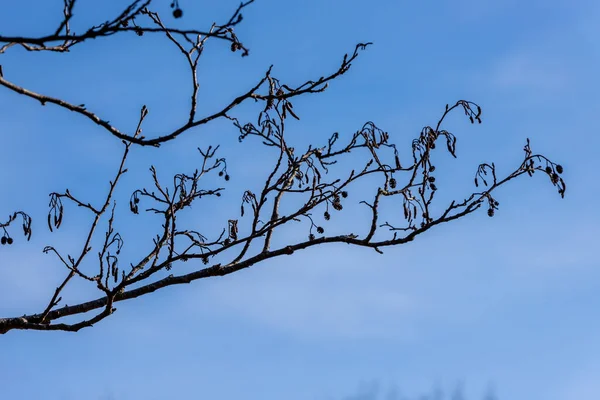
(303, 179)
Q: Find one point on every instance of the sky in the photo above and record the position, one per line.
(505, 306)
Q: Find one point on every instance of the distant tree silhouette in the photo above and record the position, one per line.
(373, 392)
(298, 176)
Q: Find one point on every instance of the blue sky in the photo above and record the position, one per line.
(508, 303)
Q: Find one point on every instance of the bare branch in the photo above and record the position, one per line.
(306, 188)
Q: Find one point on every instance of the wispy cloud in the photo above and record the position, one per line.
(309, 305)
(25, 281)
(583, 385)
(532, 71)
